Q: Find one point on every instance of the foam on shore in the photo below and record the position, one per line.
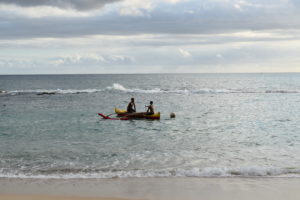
(212, 172)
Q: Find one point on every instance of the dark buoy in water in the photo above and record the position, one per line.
(172, 115)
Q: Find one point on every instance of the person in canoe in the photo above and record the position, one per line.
(131, 106)
(150, 110)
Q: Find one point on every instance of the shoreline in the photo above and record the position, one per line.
(151, 188)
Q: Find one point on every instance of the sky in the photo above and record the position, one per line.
(149, 36)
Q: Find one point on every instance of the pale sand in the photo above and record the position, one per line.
(48, 197)
(152, 189)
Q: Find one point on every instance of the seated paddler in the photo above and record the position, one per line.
(150, 110)
(131, 106)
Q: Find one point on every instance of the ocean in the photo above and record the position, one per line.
(226, 125)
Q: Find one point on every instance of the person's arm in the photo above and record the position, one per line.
(134, 107)
(148, 108)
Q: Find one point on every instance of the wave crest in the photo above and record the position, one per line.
(193, 172)
(51, 91)
(120, 88)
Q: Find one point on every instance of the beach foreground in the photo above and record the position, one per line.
(150, 188)
(48, 197)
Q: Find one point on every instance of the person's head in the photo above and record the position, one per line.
(132, 99)
(151, 102)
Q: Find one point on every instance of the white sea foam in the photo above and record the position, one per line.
(52, 91)
(117, 86)
(282, 91)
(120, 88)
(193, 172)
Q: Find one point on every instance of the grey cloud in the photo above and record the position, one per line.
(93, 59)
(74, 4)
(131, 59)
(295, 2)
(220, 18)
(208, 39)
(159, 24)
(72, 63)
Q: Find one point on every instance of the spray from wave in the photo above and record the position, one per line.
(119, 87)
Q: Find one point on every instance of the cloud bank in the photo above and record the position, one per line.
(149, 17)
(65, 4)
(149, 36)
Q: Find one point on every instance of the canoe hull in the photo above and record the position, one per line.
(141, 115)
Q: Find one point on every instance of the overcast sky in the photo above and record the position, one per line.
(149, 36)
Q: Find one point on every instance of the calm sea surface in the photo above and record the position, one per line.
(225, 125)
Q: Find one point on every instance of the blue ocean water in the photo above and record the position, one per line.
(225, 125)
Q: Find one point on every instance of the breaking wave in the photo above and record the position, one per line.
(121, 88)
(282, 91)
(194, 172)
(51, 92)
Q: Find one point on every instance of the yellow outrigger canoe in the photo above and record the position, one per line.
(141, 115)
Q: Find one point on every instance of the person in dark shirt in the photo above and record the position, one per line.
(131, 106)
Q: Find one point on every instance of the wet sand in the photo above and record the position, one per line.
(49, 197)
(151, 188)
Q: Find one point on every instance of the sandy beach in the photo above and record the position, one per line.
(151, 188)
(48, 197)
